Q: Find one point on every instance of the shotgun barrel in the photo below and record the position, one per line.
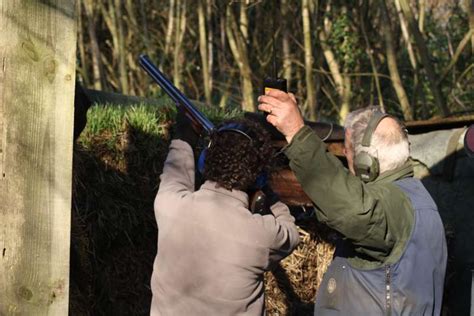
(181, 100)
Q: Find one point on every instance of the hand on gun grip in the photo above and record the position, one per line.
(262, 200)
(271, 196)
(184, 130)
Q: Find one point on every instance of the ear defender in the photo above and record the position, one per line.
(201, 161)
(366, 166)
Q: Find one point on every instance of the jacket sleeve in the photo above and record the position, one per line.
(342, 201)
(284, 235)
(177, 178)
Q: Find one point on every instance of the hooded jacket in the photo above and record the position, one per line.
(212, 251)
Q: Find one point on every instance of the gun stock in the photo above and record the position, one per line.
(197, 118)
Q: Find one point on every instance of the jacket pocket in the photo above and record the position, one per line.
(330, 294)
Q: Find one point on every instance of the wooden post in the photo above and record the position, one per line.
(37, 75)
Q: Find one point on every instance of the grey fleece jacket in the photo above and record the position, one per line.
(212, 251)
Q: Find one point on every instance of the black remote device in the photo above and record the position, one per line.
(274, 83)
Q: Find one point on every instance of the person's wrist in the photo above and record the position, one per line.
(289, 136)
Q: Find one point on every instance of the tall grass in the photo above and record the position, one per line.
(150, 119)
(111, 118)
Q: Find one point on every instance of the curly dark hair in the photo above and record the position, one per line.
(233, 160)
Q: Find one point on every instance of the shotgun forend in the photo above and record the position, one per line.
(181, 100)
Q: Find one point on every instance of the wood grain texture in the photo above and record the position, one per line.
(37, 74)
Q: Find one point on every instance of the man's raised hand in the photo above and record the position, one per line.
(283, 112)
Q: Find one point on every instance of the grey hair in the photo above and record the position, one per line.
(390, 147)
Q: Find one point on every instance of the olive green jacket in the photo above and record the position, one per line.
(376, 217)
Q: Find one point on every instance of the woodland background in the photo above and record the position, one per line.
(414, 58)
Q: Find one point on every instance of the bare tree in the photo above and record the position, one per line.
(203, 49)
(239, 50)
(370, 54)
(424, 57)
(342, 80)
(210, 43)
(286, 46)
(471, 24)
(81, 49)
(180, 29)
(462, 45)
(232, 43)
(392, 63)
(97, 73)
(311, 105)
(170, 27)
(112, 14)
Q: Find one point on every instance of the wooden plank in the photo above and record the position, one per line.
(326, 131)
(436, 124)
(37, 74)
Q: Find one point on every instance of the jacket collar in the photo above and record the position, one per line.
(241, 197)
(393, 175)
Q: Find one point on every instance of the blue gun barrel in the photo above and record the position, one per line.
(175, 94)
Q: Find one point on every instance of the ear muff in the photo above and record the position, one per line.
(201, 161)
(366, 166)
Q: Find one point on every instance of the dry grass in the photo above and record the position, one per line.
(291, 287)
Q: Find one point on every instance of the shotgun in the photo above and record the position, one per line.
(258, 202)
(198, 119)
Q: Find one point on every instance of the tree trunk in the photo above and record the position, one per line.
(244, 21)
(239, 50)
(411, 53)
(471, 24)
(109, 15)
(342, 81)
(425, 57)
(169, 31)
(370, 54)
(392, 64)
(203, 50)
(37, 75)
(346, 99)
(308, 61)
(221, 57)
(83, 61)
(94, 45)
(210, 43)
(406, 36)
(170, 28)
(421, 20)
(121, 52)
(146, 35)
(180, 28)
(287, 69)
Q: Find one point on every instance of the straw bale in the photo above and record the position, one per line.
(291, 286)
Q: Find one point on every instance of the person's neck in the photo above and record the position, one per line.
(406, 170)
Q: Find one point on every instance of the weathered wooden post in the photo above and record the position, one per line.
(37, 75)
